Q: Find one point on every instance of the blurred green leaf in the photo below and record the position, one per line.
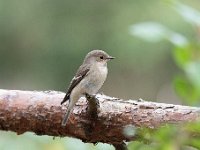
(166, 136)
(139, 146)
(188, 87)
(194, 142)
(193, 129)
(188, 13)
(149, 31)
(155, 32)
(177, 39)
(182, 55)
(186, 90)
(170, 137)
(193, 72)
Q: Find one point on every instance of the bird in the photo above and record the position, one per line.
(88, 79)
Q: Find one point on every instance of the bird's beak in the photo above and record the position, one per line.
(110, 57)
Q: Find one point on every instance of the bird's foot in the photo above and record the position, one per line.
(92, 99)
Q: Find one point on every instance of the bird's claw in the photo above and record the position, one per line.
(89, 97)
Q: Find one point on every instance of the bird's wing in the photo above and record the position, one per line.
(81, 73)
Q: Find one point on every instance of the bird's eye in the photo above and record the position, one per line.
(101, 57)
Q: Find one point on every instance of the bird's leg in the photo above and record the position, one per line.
(93, 101)
(88, 96)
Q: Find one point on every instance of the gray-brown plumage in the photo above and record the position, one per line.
(88, 79)
(82, 71)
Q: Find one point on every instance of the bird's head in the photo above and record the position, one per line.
(98, 56)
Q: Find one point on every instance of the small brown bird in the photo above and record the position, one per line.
(88, 79)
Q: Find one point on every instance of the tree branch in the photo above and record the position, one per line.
(41, 112)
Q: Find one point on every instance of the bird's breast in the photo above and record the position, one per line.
(95, 79)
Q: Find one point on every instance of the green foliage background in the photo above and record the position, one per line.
(156, 44)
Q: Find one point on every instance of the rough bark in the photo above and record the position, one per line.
(41, 112)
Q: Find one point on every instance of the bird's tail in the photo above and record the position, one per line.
(69, 109)
(66, 117)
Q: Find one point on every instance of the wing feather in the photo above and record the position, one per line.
(81, 73)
